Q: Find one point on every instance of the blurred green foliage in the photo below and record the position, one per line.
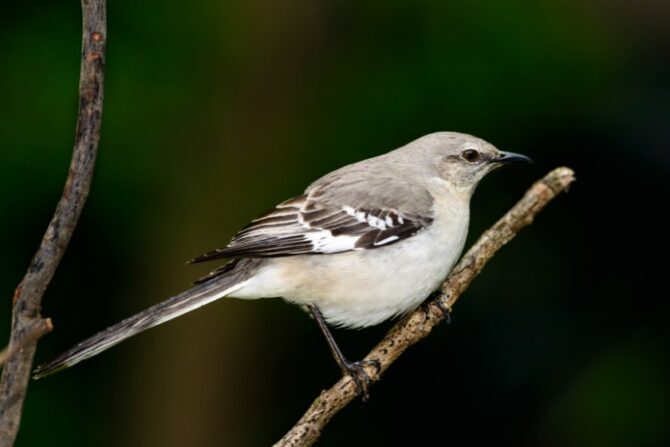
(215, 111)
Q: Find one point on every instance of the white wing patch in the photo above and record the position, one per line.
(388, 240)
(323, 241)
(304, 225)
(373, 221)
(358, 215)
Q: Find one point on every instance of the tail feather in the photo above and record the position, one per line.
(191, 299)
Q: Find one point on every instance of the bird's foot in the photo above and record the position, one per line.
(360, 377)
(435, 298)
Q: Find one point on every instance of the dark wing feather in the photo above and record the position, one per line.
(306, 226)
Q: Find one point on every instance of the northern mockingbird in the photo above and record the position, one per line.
(365, 243)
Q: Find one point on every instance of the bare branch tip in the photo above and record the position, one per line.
(560, 178)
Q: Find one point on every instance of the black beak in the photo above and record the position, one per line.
(511, 157)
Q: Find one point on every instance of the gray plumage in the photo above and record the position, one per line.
(364, 243)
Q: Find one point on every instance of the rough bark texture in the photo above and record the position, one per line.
(419, 323)
(27, 323)
(40, 329)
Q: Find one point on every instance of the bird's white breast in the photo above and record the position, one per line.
(364, 288)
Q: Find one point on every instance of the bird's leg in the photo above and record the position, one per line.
(355, 369)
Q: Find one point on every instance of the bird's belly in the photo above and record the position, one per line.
(363, 288)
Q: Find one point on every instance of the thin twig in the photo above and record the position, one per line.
(419, 323)
(28, 295)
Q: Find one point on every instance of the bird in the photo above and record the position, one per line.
(363, 244)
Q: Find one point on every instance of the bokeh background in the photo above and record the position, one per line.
(216, 110)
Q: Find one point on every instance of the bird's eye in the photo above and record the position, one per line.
(470, 155)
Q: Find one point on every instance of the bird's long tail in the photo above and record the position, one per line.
(202, 293)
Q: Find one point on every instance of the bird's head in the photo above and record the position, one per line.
(460, 160)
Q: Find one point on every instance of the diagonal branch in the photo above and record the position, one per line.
(26, 318)
(419, 323)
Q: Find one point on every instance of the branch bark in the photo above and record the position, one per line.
(419, 323)
(43, 327)
(26, 318)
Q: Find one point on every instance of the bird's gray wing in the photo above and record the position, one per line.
(315, 224)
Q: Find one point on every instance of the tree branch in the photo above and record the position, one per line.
(419, 323)
(42, 327)
(26, 318)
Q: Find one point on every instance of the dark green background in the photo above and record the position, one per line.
(216, 110)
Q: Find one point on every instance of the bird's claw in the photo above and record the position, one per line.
(435, 298)
(360, 377)
(446, 310)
